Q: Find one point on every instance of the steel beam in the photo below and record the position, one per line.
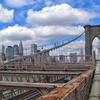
(26, 85)
(41, 72)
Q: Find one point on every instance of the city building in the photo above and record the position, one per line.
(9, 53)
(3, 53)
(33, 48)
(16, 50)
(73, 57)
(61, 58)
(81, 55)
(20, 48)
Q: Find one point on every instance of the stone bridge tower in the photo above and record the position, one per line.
(91, 31)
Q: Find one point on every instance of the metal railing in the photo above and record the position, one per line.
(76, 89)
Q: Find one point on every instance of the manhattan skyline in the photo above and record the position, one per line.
(46, 21)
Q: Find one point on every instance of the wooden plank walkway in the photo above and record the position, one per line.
(95, 91)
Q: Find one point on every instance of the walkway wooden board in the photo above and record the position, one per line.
(95, 92)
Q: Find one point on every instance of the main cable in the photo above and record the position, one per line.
(66, 43)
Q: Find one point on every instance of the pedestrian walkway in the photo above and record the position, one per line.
(95, 91)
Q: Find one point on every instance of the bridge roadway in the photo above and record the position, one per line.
(95, 91)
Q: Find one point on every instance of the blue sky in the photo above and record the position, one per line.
(45, 21)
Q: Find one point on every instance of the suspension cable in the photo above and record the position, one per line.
(66, 43)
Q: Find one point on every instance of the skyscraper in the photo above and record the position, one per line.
(3, 53)
(81, 55)
(9, 53)
(16, 50)
(20, 48)
(73, 57)
(33, 48)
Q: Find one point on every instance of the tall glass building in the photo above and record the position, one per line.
(9, 53)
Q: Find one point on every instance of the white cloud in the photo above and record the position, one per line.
(57, 31)
(51, 22)
(6, 15)
(16, 32)
(62, 14)
(18, 3)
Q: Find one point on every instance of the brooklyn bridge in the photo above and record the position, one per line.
(53, 77)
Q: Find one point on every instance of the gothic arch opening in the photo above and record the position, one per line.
(96, 47)
(91, 31)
